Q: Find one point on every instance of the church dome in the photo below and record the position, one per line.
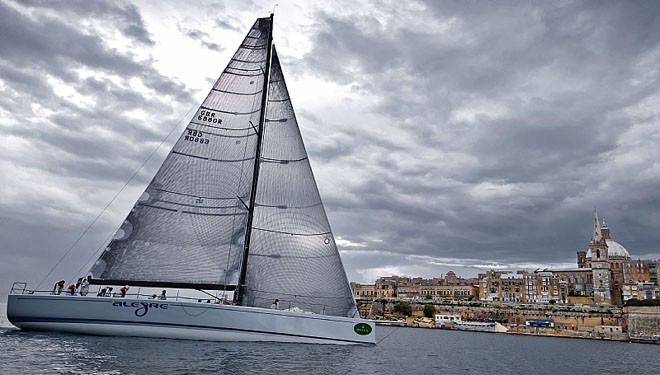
(614, 249)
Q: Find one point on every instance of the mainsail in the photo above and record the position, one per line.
(190, 227)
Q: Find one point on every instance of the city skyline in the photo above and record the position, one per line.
(444, 135)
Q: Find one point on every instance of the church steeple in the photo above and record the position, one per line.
(605, 231)
(599, 263)
(598, 235)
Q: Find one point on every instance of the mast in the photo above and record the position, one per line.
(255, 173)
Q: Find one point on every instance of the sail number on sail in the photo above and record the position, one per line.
(209, 116)
(196, 136)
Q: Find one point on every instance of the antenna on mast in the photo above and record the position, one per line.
(273, 12)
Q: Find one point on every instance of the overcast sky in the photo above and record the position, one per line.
(444, 135)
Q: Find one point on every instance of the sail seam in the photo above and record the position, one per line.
(211, 159)
(253, 47)
(243, 75)
(294, 257)
(218, 127)
(224, 135)
(287, 207)
(187, 212)
(196, 205)
(291, 233)
(249, 62)
(195, 196)
(243, 69)
(279, 161)
(237, 93)
(230, 113)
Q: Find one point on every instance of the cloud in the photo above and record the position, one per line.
(444, 135)
(497, 129)
(229, 23)
(202, 37)
(79, 116)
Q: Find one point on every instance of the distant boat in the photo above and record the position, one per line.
(480, 326)
(233, 208)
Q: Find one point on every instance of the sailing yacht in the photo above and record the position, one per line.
(233, 208)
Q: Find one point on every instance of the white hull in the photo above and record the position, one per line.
(180, 320)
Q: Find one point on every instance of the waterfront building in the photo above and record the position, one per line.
(449, 288)
(540, 286)
(490, 285)
(605, 275)
(575, 285)
(640, 291)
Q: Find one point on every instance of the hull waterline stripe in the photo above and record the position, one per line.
(173, 325)
(237, 309)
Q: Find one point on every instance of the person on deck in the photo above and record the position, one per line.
(123, 291)
(275, 305)
(162, 295)
(84, 286)
(57, 288)
(71, 289)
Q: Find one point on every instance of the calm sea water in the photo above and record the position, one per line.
(400, 351)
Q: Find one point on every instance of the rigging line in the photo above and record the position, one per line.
(98, 250)
(115, 197)
(389, 334)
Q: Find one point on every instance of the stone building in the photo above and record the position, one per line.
(449, 288)
(540, 286)
(605, 275)
(616, 276)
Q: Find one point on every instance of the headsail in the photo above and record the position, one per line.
(189, 225)
(293, 256)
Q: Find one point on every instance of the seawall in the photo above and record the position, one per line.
(612, 323)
